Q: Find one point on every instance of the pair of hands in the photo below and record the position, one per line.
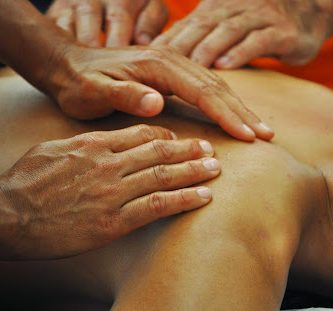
(133, 79)
(223, 33)
(70, 196)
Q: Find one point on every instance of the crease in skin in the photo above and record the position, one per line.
(329, 197)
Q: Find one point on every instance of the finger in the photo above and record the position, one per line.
(125, 139)
(158, 205)
(227, 34)
(165, 152)
(133, 98)
(170, 177)
(89, 22)
(257, 43)
(261, 129)
(185, 41)
(119, 26)
(129, 138)
(150, 22)
(207, 91)
(165, 38)
(65, 20)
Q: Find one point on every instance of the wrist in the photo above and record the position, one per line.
(57, 73)
(32, 44)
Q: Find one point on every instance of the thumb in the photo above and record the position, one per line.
(135, 98)
(150, 22)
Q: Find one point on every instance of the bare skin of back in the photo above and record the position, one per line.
(270, 218)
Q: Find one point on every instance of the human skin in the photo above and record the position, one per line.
(229, 34)
(90, 83)
(271, 211)
(124, 21)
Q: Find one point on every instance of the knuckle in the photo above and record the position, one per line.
(87, 8)
(202, 22)
(165, 133)
(88, 140)
(119, 16)
(194, 148)
(162, 175)
(160, 54)
(146, 132)
(183, 199)
(232, 27)
(110, 222)
(157, 203)
(208, 88)
(112, 166)
(206, 49)
(194, 171)
(163, 149)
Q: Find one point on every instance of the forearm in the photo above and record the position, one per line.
(31, 44)
(9, 220)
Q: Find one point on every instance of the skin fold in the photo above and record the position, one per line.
(270, 218)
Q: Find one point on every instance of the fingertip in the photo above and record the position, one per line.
(151, 104)
(224, 62)
(264, 131)
(174, 136)
(206, 146)
(250, 134)
(144, 39)
(204, 193)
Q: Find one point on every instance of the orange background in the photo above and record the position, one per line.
(320, 70)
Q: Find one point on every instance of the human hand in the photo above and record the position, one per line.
(71, 196)
(125, 21)
(90, 83)
(230, 33)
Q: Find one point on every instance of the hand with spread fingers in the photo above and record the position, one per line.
(230, 33)
(94, 82)
(70, 196)
(90, 83)
(124, 21)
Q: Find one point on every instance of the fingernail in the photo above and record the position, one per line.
(265, 127)
(204, 193)
(224, 62)
(248, 130)
(206, 147)
(149, 102)
(211, 164)
(144, 39)
(174, 136)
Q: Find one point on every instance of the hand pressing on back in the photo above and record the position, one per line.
(70, 196)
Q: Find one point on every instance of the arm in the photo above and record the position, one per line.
(31, 44)
(90, 83)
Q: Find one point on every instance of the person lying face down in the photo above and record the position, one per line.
(90, 83)
(268, 226)
(225, 34)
